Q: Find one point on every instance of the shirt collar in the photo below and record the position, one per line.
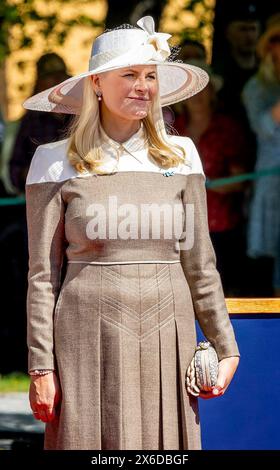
(135, 143)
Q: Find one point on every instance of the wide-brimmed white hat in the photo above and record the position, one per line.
(120, 48)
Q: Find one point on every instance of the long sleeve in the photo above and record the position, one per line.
(46, 245)
(198, 261)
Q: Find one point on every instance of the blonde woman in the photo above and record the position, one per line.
(112, 298)
(261, 97)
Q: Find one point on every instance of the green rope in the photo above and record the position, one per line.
(20, 200)
(12, 201)
(242, 177)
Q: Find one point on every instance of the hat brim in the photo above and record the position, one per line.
(177, 82)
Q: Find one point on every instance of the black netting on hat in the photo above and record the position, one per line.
(175, 50)
(122, 26)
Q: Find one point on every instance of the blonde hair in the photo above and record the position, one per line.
(85, 151)
(267, 73)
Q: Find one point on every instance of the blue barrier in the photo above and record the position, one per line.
(247, 416)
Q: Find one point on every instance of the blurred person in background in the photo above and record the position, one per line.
(223, 147)
(238, 63)
(261, 97)
(192, 49)
(37, 128)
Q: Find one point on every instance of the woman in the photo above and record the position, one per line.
(261, 97)
(224, 149)
(116, 354)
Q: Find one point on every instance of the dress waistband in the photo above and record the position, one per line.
(127, 262)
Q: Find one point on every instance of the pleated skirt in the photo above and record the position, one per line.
(124, 337)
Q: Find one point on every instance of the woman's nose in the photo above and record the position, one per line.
(141, 84)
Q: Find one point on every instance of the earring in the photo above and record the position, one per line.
(99, 95)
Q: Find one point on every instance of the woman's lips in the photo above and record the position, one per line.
(140, 99)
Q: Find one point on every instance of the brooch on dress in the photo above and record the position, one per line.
(169, 173)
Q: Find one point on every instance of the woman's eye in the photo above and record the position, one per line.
(132, 75)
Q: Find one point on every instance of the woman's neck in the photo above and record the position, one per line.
(118, 129)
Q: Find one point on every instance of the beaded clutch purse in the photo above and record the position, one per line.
(202, 372)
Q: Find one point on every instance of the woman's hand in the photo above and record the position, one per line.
(227, 368)
(44, 396)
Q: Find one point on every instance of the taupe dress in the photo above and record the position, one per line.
(119, 326)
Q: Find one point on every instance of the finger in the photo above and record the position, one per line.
(50, 413)
(192, 392)
(220, 385)
(217, 390)
(42, 415)
(225, 388)
(36, 414)
(207, 395)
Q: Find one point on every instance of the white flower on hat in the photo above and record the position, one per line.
(158, 40)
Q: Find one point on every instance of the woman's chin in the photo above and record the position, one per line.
(141, 113)
(139, 107)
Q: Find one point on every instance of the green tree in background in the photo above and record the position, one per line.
(204, 13)
(24, 12)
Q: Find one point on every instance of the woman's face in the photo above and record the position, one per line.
(128, 92)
